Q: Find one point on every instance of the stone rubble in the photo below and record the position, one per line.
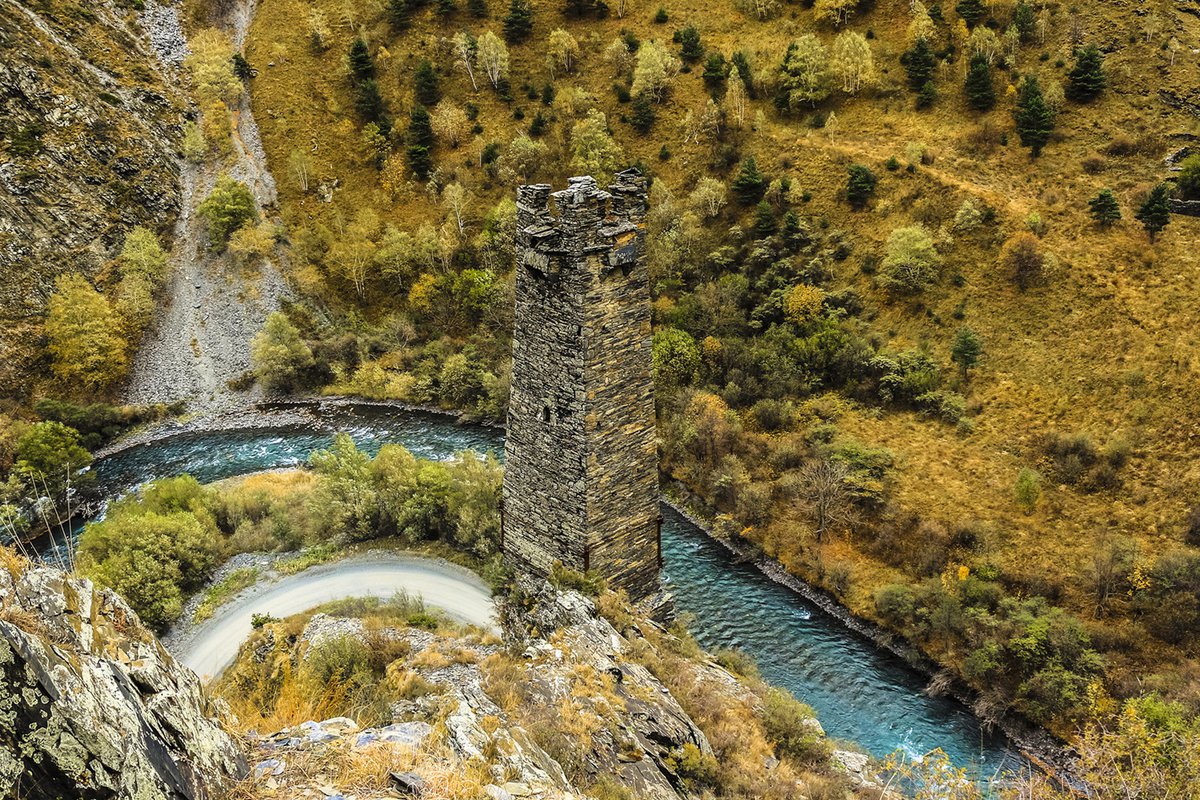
(163, 28)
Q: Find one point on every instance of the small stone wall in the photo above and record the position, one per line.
(1188, 208)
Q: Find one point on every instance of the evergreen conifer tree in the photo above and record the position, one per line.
(981, 93)
(1086, 81)
(714, 69)
(793, 232)
(419, 161)
(919, 62)
(972, 11)
(1155, 213)
(965, 351)
(642, 116)
(369, 104)
(690, 47)
(1104, 208)
(1024, 20)
(446, 8)
(538, 126)
(242, 68)
(362, 66)
(860, 185)
(749, 185)
(420, 128)
(519, 22)
(764, 220)
(477, 8)
(585, 8)
(425, 84)
(927, 96)
(399, 13)
(1033, 115)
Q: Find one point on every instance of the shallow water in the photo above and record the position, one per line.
(861, 693)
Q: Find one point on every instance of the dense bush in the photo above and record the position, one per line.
(51, 452)
(1188, 181)
(1078, 462)
(228, 207)
(789, 724)
(153, 550)
(96, 423)
(1020, 652)
(358, 497)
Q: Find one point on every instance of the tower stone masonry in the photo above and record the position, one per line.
(581, 463)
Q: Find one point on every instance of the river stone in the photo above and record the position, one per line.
(92, 706)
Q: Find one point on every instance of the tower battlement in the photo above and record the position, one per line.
(581, 466)
(584, 218)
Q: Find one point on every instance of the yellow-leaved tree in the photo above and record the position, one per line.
(85, 335)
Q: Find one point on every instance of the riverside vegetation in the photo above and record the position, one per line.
(922, 316)
(163, 542)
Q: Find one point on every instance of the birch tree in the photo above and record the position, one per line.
(709, 196)
(493, 57)
(834, 12)
(617, 56)
(354, 251)
(984, 42)
(852, 61)
(735, 97)
(655, 69)
(562, 51)
(300, 166)
(457, 199)
(805, 72)
(464, 54)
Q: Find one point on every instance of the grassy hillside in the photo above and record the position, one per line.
(1099, 348)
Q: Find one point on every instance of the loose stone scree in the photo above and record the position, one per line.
(581, 465)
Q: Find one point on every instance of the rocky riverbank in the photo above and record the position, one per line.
(572, 710)
(1034, 743)
(291, 412)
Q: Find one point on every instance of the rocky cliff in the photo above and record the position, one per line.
(88, 121)
(561, 711)
(92, 706)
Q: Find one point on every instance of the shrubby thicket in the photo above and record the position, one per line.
(162, 543)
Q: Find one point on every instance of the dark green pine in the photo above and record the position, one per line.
(1086, 81)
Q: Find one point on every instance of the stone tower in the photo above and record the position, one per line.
(581, 463)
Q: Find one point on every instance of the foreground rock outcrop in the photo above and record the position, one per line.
(92, 706)
(564, 708)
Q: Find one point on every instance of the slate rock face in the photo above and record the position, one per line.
(92, 706)
(89, 120)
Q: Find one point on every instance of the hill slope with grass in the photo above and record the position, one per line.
(945, 389)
